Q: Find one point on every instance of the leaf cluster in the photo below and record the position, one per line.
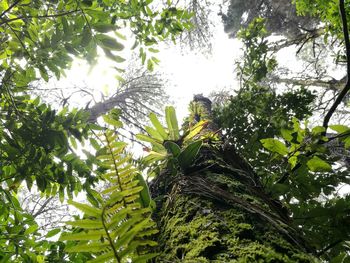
(298, 165)
(170, 148)
(39, 40)
(116, 224)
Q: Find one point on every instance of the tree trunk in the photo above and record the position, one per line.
(218, 211)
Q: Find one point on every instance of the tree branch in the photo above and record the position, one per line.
(347, 48)
(38, 17)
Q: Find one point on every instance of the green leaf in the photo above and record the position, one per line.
(159, 127)
(109, 42)
(339, 128)
(121, 36)
(150, 65)
(172, 148)
(274, 145)
(103, 258)
(85, 223)
(31, 229)
(154, 133)
(61, 194)
(114, 57)
(153, 50)
(86, 36)
(88, 210)
(104, 28)
(346, 142)
(117, 218)
(144, 258)
(73, 142)
(43, 73)
(170, 117)
(318, 130)
(188, 155)
(96, 127)
(293, 161)
(339, 258)
(155, 156)
(111, 121)
(52, 232)
(90, 235)
(95, 144)
(196, 129)
(145, 197)
(316, 164)
(126, 238)
(147, 138)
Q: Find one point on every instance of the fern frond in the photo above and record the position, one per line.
(115, 229)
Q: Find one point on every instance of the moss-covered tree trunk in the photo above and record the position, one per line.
(218, 211)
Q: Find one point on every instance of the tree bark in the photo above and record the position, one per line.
(218, 211)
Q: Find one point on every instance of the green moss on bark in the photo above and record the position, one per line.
(218, 212)
(195, 230)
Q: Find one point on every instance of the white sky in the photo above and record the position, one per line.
(189, 72)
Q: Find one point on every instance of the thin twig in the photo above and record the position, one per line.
(9, 8)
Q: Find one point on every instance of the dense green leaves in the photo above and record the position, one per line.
(39, 145)
(300, 165)
(63, 28)
(172, 148)
(114, 226)
(38, 41)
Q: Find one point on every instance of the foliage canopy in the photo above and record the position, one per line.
(39, 146)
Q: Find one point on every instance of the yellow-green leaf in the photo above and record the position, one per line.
(339, 128)
(171, 119)
(85, 223)
(316, 164)
(52, 232)
(90, 235)
(159, 127)
(196, 129)
(88, 210)
(103, 258)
